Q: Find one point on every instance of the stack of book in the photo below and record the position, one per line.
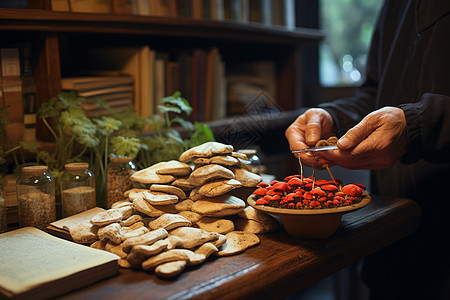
(199, 75)
(116, 91)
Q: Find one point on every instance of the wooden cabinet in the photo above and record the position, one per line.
(59, 39)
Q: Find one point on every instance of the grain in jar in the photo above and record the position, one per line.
(118, 179)
(77, 189)
(36, 197)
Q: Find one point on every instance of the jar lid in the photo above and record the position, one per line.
(34, 169)
(76, 166)
(120, 159)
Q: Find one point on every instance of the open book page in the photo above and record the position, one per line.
(83, 217)
(30, 257)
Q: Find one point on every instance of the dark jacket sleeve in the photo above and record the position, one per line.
(428, 127)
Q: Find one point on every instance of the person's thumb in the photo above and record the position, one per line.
(357, 134)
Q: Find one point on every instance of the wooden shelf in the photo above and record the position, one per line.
(51, 21)
(59, 41)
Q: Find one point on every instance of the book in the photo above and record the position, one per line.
(55, 266)
(162, 8)
(266, 12)
(147, 74)
(210, 72)
(124, 7)
(101, 6)
(119, 60)
(90, 6)
(233, 10)
(115, 91)
(198, 85)
(10, 62)
(172, 77)
(289, 14)
(107, 90)
(245, 11)
(60, 5)
(29, 109)
(83, 83)
(278, 13)
(61, 228)
(185, 75)
(91, 102)
(117, 105)
(183, 8)
(255, 11)
(28, 93)
(117, 102)
(197, 9)
(216, 10)
(11, 86)
(219, 106)
(143, 7)
(161, 60)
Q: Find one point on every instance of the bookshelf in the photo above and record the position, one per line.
(60, 40)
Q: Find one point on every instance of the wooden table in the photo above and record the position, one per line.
(277, 267)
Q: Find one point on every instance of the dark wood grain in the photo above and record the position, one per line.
(277, 267)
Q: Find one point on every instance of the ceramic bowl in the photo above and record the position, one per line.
(310, 223)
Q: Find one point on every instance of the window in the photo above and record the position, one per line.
(348, 26)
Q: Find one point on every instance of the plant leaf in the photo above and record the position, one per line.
(202, 134)
(184, 123)
(125, 146)
(177, 101)
(167, 109)
(107, 125)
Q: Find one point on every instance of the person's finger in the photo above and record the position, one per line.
(295, 134)
(358, 133)
(313, 129)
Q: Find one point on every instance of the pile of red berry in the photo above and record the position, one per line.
(296, 192)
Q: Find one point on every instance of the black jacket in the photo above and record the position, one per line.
(409, 67)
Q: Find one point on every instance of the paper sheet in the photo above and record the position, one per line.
(30, 257)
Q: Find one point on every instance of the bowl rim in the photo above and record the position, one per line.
(321, 211)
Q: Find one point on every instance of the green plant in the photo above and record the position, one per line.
(165, 141)
(63, 117)
(110, 144)
(126, 134)
(76, 137)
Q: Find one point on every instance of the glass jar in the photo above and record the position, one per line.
(253, 160)
(118, 179)
(36, 197)
(77, 189)
(3, 223)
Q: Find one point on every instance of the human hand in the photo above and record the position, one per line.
(377, 142)
(308, 129)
